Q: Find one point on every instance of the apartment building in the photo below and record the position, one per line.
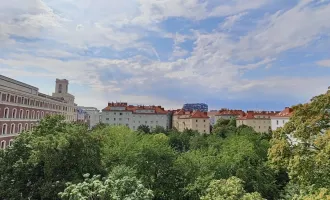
(194, 120)
(225, 113)
(93, 113)
(281, 118)
(211, 114)
(133, 116)
(260, 121)
(22, 106)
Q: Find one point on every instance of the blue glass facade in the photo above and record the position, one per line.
(196, 106)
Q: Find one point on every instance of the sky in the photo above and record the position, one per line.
(238, 54)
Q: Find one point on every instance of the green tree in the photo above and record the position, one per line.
(159, 129)
(302, 146)
(143, 129)
(121, 184)
(230, 189)
(42, 161)
(224, 127)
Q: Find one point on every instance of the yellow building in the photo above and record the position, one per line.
(260, 121)
(196, 120)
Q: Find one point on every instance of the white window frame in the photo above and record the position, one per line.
(20, 128)
(3, 144)
(14, 113)
(6, 115)
(12, 128)
(2, 128)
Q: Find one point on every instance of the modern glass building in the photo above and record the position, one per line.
(196, 106)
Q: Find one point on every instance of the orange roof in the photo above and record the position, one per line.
(253, 114)
(133, 109)
(287, 112)
(191, 114)
(230, 112)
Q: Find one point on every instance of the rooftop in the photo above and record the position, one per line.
(135, 108)
(191, 114)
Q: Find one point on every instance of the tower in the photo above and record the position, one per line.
(61, 86)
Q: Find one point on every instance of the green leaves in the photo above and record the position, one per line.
(121, 184)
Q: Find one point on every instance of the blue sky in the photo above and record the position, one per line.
(257, 54)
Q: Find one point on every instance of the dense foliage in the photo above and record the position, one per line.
(59, 160)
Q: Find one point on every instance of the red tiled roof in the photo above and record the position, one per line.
(230, 112)
(287, 112)
(253, 114)
(191, 114)
(133, 109)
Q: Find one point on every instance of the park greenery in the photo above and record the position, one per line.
(60, 160)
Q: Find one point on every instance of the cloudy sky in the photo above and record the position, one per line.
(255, 54)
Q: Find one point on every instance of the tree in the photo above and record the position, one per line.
(42, 161)
(143, 129)
(224, 127)
(302, 146)
(159, 129)
(230, 189)
(121, 184)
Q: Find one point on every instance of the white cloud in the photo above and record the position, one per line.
(231, 20)
(324, 63)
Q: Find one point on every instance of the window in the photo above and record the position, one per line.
(204, 126)
(4, 129)
(59, 88)
(19, 128)
(42, 114)
(146, 122)
(38, 115)
(26, 127)
(204, 131)
(196, 120)
(151, 122)
(204, 120)
(134, 127)
(11, 142)
(6, 113)
(33, 114)
(259, 127)
(3, 144)
(27, 115)
(115, 113)
(14, 113)
(106, 118)
(276, 122)
(31, 127)
(283, 122)
(114, 119)
(119, 119)
(156, 122)
(120, 113)
(12, 128)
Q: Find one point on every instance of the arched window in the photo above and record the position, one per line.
(12, 128)
(14, 113)
(33, 114)
(21, 113)
(31, 127)
(19, 128)
(26, 127)
(42, 114)
(3, 144)
(6, 113)
(27, 115)
(11, 142)
(4, 129)
(38, 115)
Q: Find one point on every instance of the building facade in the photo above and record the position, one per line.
(22, 106)
(134, 116)
(194, 120)
(212, 116)
(260, 121)
(196, 106)
(281, 118)
(93, 113)
(61, 91)
(229, 114)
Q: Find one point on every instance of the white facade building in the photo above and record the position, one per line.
(94, 115)
(134, 116)
(281, 118)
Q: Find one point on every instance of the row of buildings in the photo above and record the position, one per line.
(22, 107)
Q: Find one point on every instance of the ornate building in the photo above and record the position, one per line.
(22, 106)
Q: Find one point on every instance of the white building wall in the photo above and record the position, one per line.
(277, 122)
(94, 115)
(134, 120)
